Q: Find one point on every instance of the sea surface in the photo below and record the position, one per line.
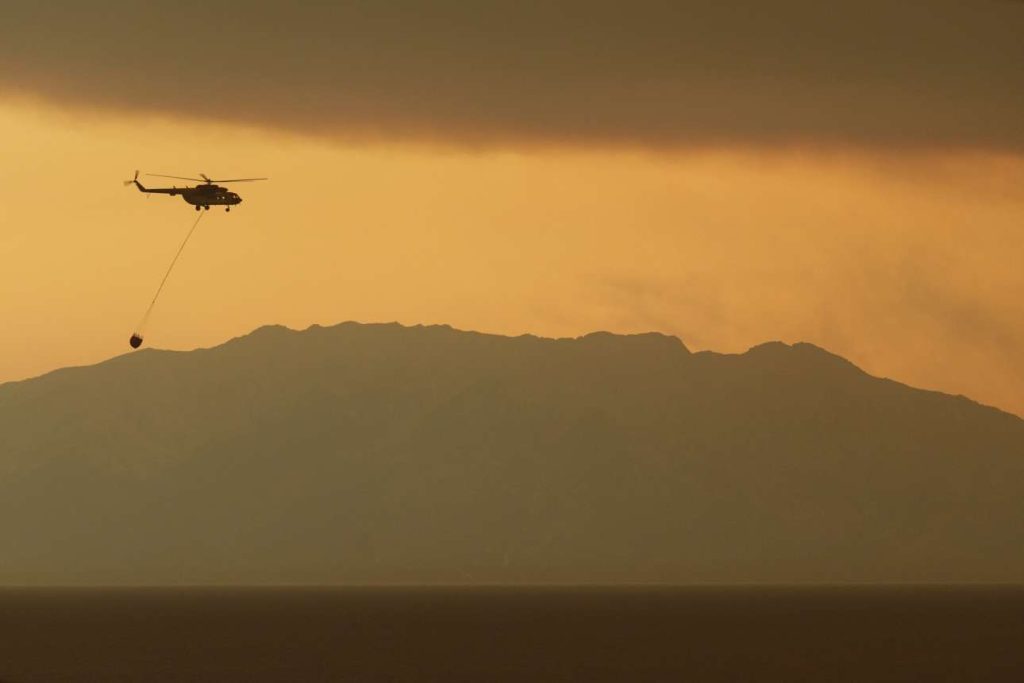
(513, 634)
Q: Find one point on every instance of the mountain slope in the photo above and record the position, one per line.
(380, 453)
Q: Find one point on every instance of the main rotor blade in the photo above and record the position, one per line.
(237, 180)
(176, 177)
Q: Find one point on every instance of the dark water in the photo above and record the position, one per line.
(556, 634)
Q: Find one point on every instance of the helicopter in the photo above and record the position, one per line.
(202, 196)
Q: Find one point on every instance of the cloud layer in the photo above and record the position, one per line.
(935, 74)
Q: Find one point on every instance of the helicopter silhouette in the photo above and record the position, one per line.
(202, 196)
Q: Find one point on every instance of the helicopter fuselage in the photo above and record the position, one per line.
(199, 196)
(209, 195)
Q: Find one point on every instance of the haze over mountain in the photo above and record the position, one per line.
(382, 453)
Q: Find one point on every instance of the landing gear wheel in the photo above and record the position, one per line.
(207, 207)
(227, 208)
(198, 207)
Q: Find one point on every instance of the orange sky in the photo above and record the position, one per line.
(907, 263)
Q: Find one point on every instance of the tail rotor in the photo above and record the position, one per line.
(129, 182)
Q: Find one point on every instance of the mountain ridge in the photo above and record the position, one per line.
(669, 341)
(390, 454)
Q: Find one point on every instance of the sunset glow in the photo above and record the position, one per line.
(907, 263)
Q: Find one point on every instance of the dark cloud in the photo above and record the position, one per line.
(936, 73)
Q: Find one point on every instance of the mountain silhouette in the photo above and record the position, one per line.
(390, 454)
